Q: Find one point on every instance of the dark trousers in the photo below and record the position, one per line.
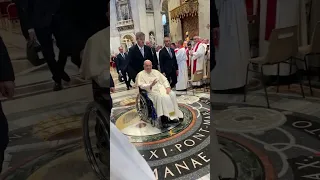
(72, 44)
(4, 138)
(44, 36)
(126, 80)
(172, 78)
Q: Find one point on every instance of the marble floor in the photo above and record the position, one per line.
(255, 142)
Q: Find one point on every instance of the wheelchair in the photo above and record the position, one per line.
(96, 135)
(146, 109)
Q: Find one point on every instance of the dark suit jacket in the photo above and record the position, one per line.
(155, 58)
(6, 69)
(111, 81)
(39, 12)
(167, 64)
(136, 60)
(214, 23)
(122, 63)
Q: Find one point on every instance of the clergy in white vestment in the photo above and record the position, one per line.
(123, 155)
(181, 57)
(197, 61)
(160, 93)
(233, 53)
(205, 43)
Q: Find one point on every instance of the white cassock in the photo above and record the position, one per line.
(181, 56)
(205, 60)
(96, 58)
(127, 163)
(124, 156)
(197, 60)
(233, 53)
(165, 104)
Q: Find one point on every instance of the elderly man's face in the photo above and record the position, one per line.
(147, 66)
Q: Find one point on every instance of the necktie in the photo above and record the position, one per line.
(122, 55)
(170, 53)
(142, 52)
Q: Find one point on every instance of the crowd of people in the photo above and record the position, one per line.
(178, 61)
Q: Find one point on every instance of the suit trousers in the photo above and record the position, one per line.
(4, 138)
(44, 36)
(172, 78)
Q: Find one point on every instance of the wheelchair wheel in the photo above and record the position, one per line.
(97, 140)
(143, 111)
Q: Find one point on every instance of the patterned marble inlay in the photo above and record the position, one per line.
(127, 119)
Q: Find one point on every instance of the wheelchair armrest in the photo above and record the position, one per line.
(142, 91)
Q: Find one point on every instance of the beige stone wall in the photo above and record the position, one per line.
(175, 26)
(204, 18)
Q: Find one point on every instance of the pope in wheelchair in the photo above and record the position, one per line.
(156, 102)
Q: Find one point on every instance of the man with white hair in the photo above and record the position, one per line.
(198, 56)
(160, 93)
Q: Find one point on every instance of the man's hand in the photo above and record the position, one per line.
(7, 89)
(112, 89)
(168, 90)
(177, 72)
(153, 83)
(32, 35)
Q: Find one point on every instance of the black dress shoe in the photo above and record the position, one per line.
(173, 121)
(66, 77)
(57, 87)
(128, 88)
(180, 119)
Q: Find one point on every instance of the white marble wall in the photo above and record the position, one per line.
(204, 18)
(142, 22)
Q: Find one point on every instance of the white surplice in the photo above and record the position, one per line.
(205, 62)
(165, 104)
(233, 53)
(96, 58)
(126, 162)
(198, 57)
(181, 56)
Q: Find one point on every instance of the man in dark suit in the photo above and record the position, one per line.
(137, 55)
(122, 66)
(214, 31)
(154, 60)
(6, 90)
(168, 62)
(44, 20)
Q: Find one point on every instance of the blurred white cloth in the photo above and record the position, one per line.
(126, 163)
(181, 56)
(233, 53)
(96, 58)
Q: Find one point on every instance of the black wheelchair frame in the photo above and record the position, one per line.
(146, 110)
(102, 133)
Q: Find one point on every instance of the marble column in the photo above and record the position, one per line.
(204, 18)
(287, 15)
(157, 8)
(143, 17)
